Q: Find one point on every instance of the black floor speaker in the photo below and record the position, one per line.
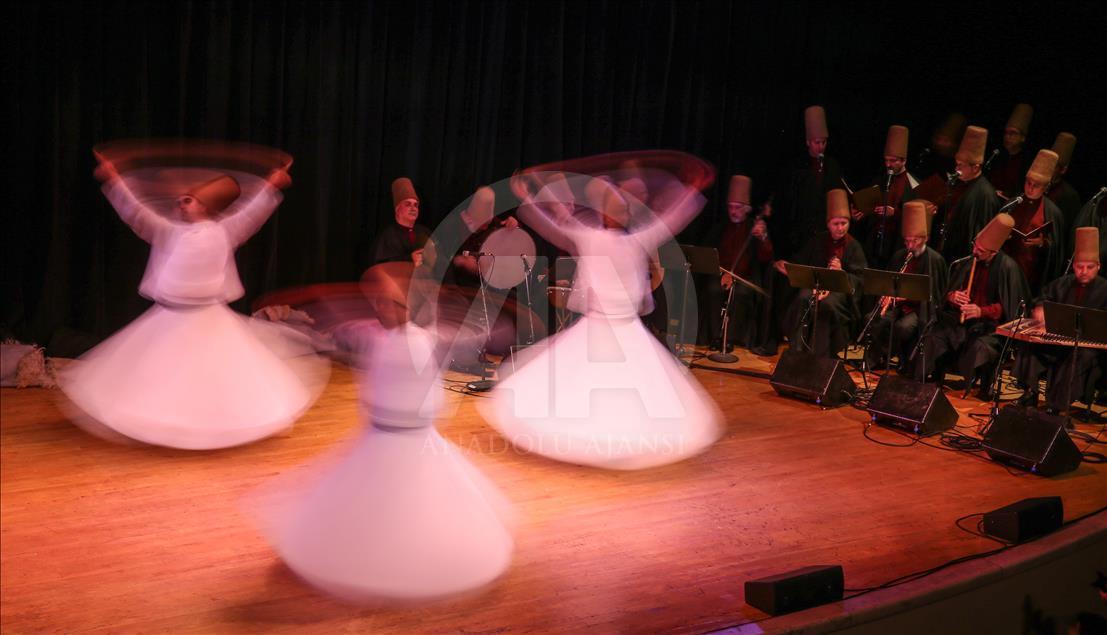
(796, 590)
(1032, 440)
(823, 380)
(905, 403)
(1026, 519)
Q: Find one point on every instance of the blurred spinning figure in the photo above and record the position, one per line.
(399, 513)
(605, 392)
(191, 373)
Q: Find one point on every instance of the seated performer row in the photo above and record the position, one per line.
(961, 319)
(959, 176)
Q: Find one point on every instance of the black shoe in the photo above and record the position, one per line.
(764, 351)
(1029, 398)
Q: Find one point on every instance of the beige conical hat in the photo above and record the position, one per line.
(739, 191)
(636, 189)
(973, 145)
(837, 204)
(1020, 118)
(814, 121)
(947, 135)
(1042, 169)
(482, 207)
(217, 193)
(1087, 245)
(996, 232)
(595, 193)
(895, 144)
(402, 189)
(916, 219)
(387, 287)
(1063, 146)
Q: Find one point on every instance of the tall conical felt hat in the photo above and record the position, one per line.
(1042, 169)
(636, 188)
(1087, 245)
(916, 219)
(739, 192)
(1020, 118)
(615, 206)
(948, 134)
(595, 193)
(837, 204)
(895, 144)
(996, 232)
(217, 193)
(814, 121)
(482, 207)
(972, 145)
(1063, 146)
(388, 287)
(402, 189)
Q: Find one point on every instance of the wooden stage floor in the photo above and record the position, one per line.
(103, 537)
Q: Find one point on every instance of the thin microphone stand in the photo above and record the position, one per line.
(997, 381)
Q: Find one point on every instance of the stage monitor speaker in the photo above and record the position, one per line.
(905, 403)
(796, 590)
(1026, 519)
(823, 380)
(1031, 440)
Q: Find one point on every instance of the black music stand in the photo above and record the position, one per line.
(817, 279)
(1079, 323)
(914, 287)
(704, 260)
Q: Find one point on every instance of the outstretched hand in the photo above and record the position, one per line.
(105, 172)
(520, 186)
(279, 179)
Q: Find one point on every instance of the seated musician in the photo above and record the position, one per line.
(402, 240)
(479, 222)
(907, 318)
(985, 289)
(833, 249)
(511, 322)
(1083, 287)
(745, 249)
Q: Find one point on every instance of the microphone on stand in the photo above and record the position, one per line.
(951, 178)
(820, 157)
(1011, 203)
(1099, 196)
(888, 174)
(991, 157)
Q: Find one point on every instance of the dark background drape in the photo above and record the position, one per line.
(456, 94)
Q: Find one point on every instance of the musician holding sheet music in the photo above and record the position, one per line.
(833, 249)
(1083, 288)
(907, 318)
(877, 210)
(1037, 242)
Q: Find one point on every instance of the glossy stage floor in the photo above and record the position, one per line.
(103, 537)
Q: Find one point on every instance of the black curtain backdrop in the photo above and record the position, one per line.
(456, 94)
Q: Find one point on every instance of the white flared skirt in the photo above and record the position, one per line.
(194, 378)
(604, 393)
(399, 514)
